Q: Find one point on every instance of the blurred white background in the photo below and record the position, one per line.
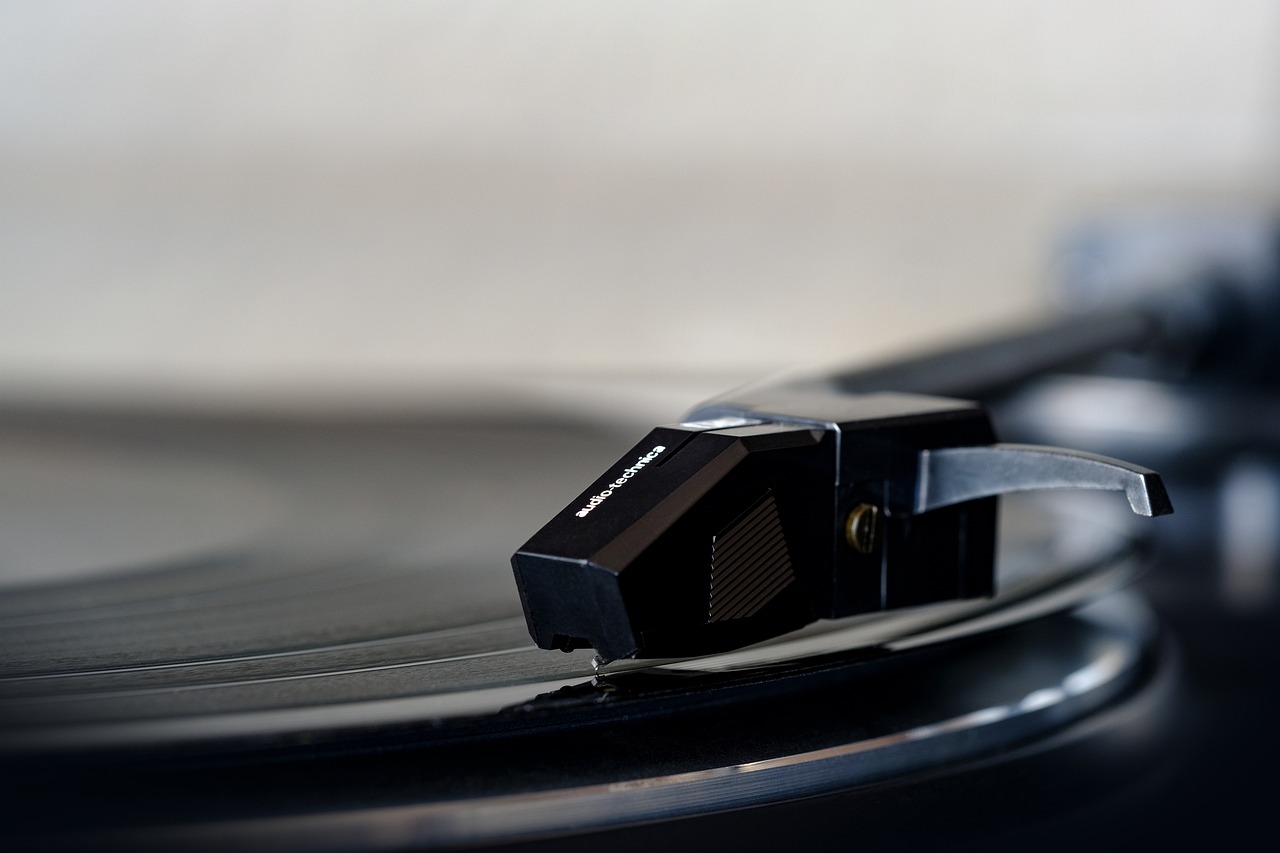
(300, 203)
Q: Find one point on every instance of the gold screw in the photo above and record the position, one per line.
(861, 528)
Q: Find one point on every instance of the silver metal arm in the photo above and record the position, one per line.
(956, 474)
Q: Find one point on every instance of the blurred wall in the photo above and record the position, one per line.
(231, 198)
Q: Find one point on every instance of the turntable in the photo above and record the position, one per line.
(239, 633)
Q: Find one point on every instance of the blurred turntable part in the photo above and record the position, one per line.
(1250, 522)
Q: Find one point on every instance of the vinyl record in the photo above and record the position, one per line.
(303, 632)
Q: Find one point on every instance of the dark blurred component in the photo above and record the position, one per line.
(1214, 279)
(1204, 408)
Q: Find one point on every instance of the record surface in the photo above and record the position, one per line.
(182, 590)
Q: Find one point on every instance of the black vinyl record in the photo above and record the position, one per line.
(267, 634)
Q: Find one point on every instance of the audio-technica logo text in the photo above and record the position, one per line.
(621, 481)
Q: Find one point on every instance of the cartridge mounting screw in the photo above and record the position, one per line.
(862, 527)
